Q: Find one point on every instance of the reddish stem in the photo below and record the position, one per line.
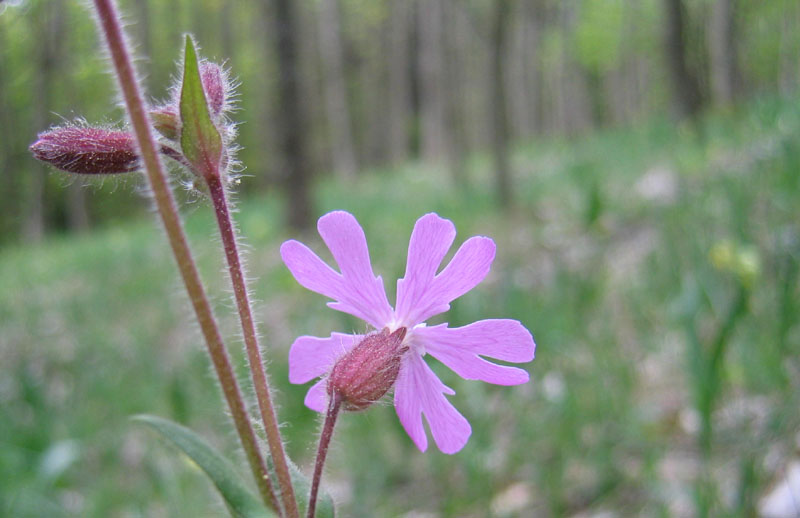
(110, 25)
(325, 436)
(260, 383)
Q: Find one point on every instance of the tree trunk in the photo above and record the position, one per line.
(722, 43)
(49, 25)
(630, 90)
(8, 195)
(789, 67)
(337, 106)
(431, 70)
(574, 86)
(686, 88)
(525, 83)
(290, 116)
(228, 41)
(143, 40)
(399, 81)
(560, 77)
(497, 101)
(534, 71)
(77, 215)
(454, 79)
(75, 204)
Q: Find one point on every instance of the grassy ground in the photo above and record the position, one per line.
(656, 266)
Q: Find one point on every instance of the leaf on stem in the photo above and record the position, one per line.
(240, 501)
(201, 142)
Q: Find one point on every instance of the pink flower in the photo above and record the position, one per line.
(421, 294)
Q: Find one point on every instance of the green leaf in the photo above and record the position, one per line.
(241, 502)
(302, 487)
(200, 141)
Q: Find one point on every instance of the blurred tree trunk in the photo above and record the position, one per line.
(399, 80)
(577, 87)
(50, 21)
(290, 116)
(722, 42)
(550, 104)
(77, 214)
(178, 20)
(143, 40)
(596, 98)
(198, 15)
(372, 97)
(455, 44)
(561, 75)
(789, 69)
(685, 84)
(535, 69)
(227, 41)
(633, 68)
(8, 195)
(497, 100)
(431, 71)
(526, 85)
(337, 106)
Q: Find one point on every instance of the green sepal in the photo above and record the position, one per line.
(201, 142)
(240, 501)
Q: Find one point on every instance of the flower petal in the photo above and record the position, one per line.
(461, 348)
(430, 240)
(311, 357)
(356, 290)
(309, 270)
(433, 295)
(317, 396)
(346, 241)
(418, 391)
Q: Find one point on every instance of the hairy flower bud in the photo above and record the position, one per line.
(214, 85)
(367, 372)
(87, 150)
(166, 121)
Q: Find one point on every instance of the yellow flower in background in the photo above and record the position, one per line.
(741, 260)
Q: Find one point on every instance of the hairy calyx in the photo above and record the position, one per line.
(368, 371)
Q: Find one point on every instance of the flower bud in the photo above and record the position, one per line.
(87, 150)
(214, 86)
(367, 372)
(166, 121)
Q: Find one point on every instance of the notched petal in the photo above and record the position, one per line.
(356, 290)
(430, 240)
(418, 393)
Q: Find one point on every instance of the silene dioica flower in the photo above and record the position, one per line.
(359, 369)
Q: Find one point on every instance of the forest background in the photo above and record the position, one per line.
(635, 160)
(334, 87)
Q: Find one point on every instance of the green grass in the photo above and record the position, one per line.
(96, 328)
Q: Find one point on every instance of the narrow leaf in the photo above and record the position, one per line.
(200, 141)
(241, 502)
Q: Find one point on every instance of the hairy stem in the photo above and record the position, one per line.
(325, 436)
(167, 210)
(260, 383)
